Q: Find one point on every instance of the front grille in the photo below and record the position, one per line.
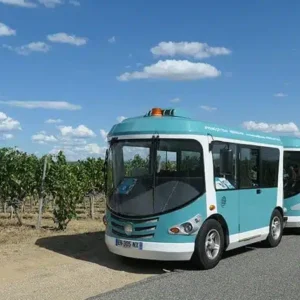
(142, 228)
(133, 236)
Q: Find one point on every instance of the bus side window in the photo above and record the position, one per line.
(249, 168)
(224, 182)
(270, 166)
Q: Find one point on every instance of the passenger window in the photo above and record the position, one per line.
(224, 182)
(249, 168)
(291, 178)
(270, 166)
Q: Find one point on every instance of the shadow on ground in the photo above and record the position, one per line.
(291, 231)
(91, 247)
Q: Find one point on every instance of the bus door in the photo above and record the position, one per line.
(251, 196)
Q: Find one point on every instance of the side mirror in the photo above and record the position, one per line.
(226, 161)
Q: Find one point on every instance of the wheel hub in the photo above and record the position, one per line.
(275, 228)
(212, 244)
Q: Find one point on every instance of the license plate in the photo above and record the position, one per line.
(129, 244)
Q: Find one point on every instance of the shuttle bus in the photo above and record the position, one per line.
(181, 189)
(291, 178)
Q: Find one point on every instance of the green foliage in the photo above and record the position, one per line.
(68, 183)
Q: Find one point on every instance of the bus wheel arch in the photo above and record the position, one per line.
(280, 210)
(224, 225)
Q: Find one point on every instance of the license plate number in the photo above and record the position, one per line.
(129, 244)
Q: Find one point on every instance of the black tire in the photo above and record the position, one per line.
(200, 257)
(272, 239)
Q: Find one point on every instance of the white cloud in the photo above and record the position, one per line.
(43, 138)
(53, 121)
(76, 153)
(71, 141)
(175, 100)
(188, 49)
(29, 48)
(290, 127)
(174, 70)
(119, 119)
(32, 4)
(65, 38)
(280, 95)
(208, 108)
(51, 3)
(112, 40)
(64, 141)
(5, 30)
(104, 134)
(6, 136)
(8, 124)
(92, 149)
(21, 3)
(59, 105)
(74, 2)
(79, 132)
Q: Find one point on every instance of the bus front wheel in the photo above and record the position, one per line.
(209, 245)
(276, 229)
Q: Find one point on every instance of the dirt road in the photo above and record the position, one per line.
(74, 266)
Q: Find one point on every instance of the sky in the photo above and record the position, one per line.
(71, 69)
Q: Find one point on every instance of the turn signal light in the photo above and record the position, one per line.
(156, 112)
(174, 230)
(212, 207)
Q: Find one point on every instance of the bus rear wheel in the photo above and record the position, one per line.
(209, 245)
(276, 229)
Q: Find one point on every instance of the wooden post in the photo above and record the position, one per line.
(42, 196)
(92, 208)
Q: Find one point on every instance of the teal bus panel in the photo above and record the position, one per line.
(290, 142)
(256, 209)
(180, 125)
(163, 224)
(228, 207)
(292, 204)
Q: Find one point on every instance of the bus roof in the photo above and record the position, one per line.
(290, 142)
(180, 124)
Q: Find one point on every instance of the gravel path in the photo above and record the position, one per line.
(255, 273)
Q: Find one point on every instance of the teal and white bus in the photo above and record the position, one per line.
(291, 177)
(181, 189)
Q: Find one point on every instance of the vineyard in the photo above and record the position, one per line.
(50, 187)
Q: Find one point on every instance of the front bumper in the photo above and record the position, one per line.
(153, 250)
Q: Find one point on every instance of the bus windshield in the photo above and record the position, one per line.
(148, 177)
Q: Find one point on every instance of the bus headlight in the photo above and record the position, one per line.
(186, 228)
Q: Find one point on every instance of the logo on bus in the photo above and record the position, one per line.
(128, 229)
(223, 201)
